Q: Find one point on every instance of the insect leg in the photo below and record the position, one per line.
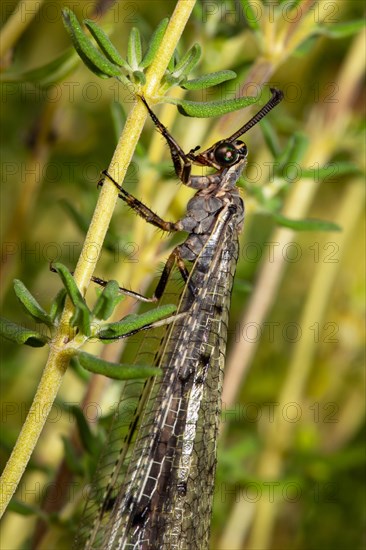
(182, 162)
(131, 293)
(142, 210)
(126, 291)
(174, 257)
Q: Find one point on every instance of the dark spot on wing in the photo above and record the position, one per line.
(218, 309)
(205, 364)
(108, 504)
(139, 516)
(182, 488)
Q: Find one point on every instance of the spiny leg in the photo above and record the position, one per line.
(103, 283)
(160, 287)
(183, 171)
(174, 257)
(181, 161)
(131, 293)
(142, 210)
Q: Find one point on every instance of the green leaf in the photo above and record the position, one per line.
(58, 305)
(105, 44)
(71, 458)
(173, 62)
(207, 80)
(81, 221)
(133, 323)
(154, 43)
(306, 224)
(340, 30)
(30, 304)
(250, 15)
(270, 137)
(81, 315)
(330, 172)
(115, 371)
(293, 152)
(76, 368)
(171, 80)
(243, 286)
(210, 108)
(24, 509)
(188, 61)
(126, 81)
(20, 335)
(49, 74)
(118, 117)
(134, 54)
(108, 299)
(300, 143)
(139, 77)
(92, 57)
(89, 441)
(290, 4)
(305, 48)
(110, 242)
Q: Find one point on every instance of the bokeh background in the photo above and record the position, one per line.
(291, 455)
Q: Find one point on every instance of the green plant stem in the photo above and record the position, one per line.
(37, 415)
(61, 349)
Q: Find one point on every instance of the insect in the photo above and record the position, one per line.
(159, 493)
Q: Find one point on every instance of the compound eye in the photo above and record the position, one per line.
(226, 154)
(244, 150)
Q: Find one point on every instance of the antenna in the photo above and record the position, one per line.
(277, 96)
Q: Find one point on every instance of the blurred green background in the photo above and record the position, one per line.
(291, 462)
